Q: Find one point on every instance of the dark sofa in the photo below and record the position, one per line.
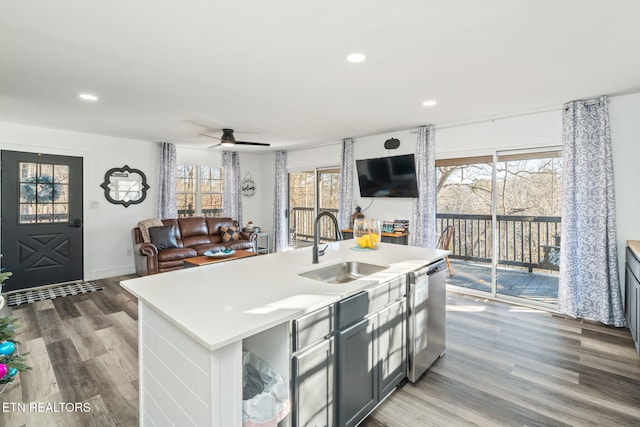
(193, 237)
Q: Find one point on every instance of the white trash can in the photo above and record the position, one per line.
(265, 396)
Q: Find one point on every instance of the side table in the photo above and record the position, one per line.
(262, 243)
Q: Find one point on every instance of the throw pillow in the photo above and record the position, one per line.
(229, 233)
(144, 226)
(163, 237)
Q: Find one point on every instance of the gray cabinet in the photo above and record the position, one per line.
(357, 377)
(632, 296)
(371, 349)
(313, 369)
(392, 346)
(313, 385)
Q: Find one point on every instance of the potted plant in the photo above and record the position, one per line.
(11, 361)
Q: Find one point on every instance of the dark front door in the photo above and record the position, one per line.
(41, 219)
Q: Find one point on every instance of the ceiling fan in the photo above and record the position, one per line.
(228, 140)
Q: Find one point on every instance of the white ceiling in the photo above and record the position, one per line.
(168, 70)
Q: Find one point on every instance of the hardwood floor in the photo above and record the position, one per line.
(504, 365)
(83, 349)
(509, 365)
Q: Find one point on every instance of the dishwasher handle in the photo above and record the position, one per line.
(428, 270)
(436, 267)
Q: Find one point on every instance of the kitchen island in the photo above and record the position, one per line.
(195, 323)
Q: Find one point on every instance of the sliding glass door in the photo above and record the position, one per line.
(505, 210)
(311, 192)
(528, 195)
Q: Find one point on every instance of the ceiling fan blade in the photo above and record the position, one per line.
(209, 136)
(261, 144)
(214, 145)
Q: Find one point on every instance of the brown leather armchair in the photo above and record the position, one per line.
(194, 236)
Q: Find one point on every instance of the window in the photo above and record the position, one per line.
(199, 191)
(44, 193)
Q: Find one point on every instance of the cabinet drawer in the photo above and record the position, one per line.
(353, 308)
(634, 264)
(312, 327)
(397, 288)
(378, 297)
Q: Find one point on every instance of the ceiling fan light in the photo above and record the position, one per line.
(227, 136)
(227, 143)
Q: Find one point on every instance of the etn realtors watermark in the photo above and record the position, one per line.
(52, 407)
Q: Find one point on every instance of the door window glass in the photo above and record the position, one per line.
(44, 193)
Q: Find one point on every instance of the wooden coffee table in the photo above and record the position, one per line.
(205, 260)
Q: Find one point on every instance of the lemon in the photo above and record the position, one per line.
(364, 241)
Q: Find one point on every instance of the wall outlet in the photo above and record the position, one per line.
(129, 252)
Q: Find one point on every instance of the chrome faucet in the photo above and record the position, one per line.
(316, 234)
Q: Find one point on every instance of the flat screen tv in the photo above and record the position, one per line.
(393, 176)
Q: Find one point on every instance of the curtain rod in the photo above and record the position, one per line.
(470, 122)
(524, 113)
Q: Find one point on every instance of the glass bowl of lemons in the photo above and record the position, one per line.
(367, 233)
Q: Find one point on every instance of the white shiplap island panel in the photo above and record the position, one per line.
(192, 324)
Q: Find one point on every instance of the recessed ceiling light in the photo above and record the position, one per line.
(356, 57)
(88, 97)
(429, 103)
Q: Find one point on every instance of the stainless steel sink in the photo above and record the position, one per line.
(343, 272)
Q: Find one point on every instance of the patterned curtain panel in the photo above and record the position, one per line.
(589, 282)
(231, 195)
(423, 227)
(167, 198)
(280, 199)
(345, 204)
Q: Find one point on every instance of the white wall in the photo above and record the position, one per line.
(107, 227)
(624, 112)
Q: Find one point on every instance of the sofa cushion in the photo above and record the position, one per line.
(239, 244)
(201, 249)
(176, 254)
(144, 226)
(229, 233)
(163, 237)
(214, 225)
(192, 226)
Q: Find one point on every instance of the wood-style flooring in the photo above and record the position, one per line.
(83, 349)
(507, 365)
(504, 365)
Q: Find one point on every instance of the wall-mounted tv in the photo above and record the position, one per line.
(393, 176)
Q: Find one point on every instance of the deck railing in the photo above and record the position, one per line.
(524, 241)
(301, 224)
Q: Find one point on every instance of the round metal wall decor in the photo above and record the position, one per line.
(248, 185)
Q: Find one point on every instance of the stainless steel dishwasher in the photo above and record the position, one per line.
(427, 299)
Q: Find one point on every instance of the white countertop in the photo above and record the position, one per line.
(221, 303)
(634, 245)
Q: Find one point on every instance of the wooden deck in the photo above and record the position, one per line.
(537, 286)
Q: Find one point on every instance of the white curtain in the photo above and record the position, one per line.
(280, 201)
(231, 195)
(167, 197)
(423, 228)
(589, 281)
(345, 204)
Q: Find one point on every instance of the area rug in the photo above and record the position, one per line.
(29, 296)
